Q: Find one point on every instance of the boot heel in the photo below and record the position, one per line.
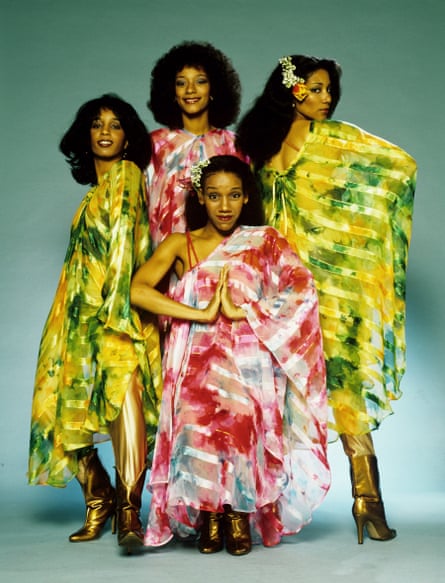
(360, 524)
(368, 509)
(370, 514)
(99, 495)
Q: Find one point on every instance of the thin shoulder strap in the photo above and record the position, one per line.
(191, 250)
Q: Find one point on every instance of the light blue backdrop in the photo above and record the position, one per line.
(56, 54)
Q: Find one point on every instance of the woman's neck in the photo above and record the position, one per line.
(210, 232)
(196, 125)
(102, 167)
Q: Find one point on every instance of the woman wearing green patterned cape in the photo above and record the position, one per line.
(98, 369)
(344, 199)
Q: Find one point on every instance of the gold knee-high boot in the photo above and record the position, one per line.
(128, 436)
(368, 509)
(100, 498)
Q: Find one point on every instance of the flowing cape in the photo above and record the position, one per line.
(346, 206)
(93, 340)
(244, 410)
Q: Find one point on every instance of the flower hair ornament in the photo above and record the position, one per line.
(291, 81)
(196, 173)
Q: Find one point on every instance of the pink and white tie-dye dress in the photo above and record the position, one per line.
(244, 411)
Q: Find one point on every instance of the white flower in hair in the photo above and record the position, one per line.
(196, 173)
(291, 81)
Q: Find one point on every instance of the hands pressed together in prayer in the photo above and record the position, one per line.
(222, 302)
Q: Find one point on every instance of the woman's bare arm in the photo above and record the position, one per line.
(145, 295)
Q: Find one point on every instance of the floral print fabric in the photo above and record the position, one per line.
(93, 341)
(244, 410)
(346, 206)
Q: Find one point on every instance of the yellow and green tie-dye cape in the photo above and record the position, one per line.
(346, 206)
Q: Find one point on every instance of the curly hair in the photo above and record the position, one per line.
(76, 143)
(225, 85)
(252, 212)
(263, 128)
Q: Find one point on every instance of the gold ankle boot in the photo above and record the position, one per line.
(211, 538)
(237, 532)
(100, 498)
(368, 509)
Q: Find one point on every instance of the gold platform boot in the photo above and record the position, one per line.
(237, 532)
(100, 498)
(211, 537)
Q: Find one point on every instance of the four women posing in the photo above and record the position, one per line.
(241, 444)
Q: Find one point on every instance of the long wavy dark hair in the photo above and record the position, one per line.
(252, 212)
(263, 128)
(225, 85)
(76, 143)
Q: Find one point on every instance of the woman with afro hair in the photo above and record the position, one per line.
(195, 93)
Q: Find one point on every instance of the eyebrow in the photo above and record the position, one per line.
(178, 76)
(98, 117)
(233, 188)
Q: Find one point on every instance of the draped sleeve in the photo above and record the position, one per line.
(346, 206)
(128, 247)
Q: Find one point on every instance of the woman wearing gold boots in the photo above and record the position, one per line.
(99, 369)
(240, 454)
(343, 198)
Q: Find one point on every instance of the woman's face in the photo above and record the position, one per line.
(317, 104)
(192, 91)
(223, 199)
(108, 140)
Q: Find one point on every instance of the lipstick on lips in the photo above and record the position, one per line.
(224, 218)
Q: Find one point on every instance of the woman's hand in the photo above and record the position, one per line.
(228, 308)
(211, 312)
